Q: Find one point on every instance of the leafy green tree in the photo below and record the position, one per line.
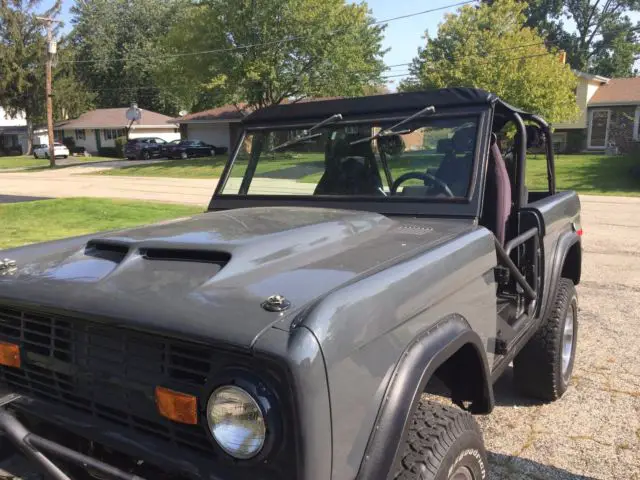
(599, 37)
(490, 47)
(22, 67)
(262, 52)
(118, 46)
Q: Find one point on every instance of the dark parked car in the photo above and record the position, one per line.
(290, 332)
(193, 148)
(144, 148)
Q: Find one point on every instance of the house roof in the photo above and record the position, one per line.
(619, 91)
(115, 118)
(226, 113)
(232, 113)
(591, 77)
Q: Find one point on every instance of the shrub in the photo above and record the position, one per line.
(108, 152)
(120, 143)
(70, 143)
(576, 141)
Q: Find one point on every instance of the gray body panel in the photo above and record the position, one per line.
(299, 253)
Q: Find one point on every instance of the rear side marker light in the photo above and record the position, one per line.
(9, 355)
(177, 406)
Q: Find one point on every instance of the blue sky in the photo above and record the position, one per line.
(403, 36)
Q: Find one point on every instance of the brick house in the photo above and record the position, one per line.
(610, 116)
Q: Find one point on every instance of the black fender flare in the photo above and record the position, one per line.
(566, 241)
(417, 364)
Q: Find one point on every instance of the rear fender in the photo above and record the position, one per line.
(416, 367)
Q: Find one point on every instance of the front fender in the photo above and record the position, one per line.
(414, 369)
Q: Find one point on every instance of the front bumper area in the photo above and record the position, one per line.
(33, 446)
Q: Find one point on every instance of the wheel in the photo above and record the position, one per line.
(183, 155)
(212, 153)
(444, 443)
(145, 155)
(543, 368)
(35, 155)
(65, 156)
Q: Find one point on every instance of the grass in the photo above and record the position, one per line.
(25, 161)
(39, 221)
(594, 174)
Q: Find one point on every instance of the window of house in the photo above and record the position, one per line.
(112, 133)
(80, 134)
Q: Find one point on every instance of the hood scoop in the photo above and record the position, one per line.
(186, 255)
(106, 250)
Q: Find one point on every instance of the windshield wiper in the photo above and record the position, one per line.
(385, 132)
(307, 135)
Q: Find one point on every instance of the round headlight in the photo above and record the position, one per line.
(236, 422)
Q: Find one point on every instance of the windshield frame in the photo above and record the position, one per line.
(467, 207)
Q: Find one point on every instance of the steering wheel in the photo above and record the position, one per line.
(426, 177)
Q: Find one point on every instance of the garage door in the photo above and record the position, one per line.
(213, 134)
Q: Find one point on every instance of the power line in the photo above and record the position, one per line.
(275, 42)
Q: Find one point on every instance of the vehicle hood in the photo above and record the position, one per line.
(205, 277)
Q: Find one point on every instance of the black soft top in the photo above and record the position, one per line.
(376, 104)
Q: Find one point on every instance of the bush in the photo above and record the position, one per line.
(108, 152)
(70, 143)
(120, 143)
(576, 141)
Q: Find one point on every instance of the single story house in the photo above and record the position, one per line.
(97, 129)
(13, 134)
(218, 126)
(609, 116)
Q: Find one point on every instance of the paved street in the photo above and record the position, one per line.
(594, 430)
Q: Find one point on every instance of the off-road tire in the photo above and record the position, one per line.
(441, 441)
(537, 369)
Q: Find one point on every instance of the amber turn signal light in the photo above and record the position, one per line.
(177, 406)
(9, 355)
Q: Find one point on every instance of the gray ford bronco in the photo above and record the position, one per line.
(360, 260)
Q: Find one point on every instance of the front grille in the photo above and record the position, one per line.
(107, 372)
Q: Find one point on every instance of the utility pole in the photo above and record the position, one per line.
(51, 51)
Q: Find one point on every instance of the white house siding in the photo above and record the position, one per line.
(167, 134)
(216, 134)
(91, 146)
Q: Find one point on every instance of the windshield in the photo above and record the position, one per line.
(426, 158)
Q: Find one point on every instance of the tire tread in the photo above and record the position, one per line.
(433, 431)
(535, 366)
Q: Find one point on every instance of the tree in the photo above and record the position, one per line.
(599, 37)
(490, 47)
(22, 57)
(263, 52)
(118, 45)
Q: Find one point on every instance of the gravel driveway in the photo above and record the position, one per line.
(594, 430)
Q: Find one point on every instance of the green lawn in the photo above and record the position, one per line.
(593, 174)
(586, 173)
(29, 222)
(25, 161)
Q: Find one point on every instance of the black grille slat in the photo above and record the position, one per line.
(107, 372)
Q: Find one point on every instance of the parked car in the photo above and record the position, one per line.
(193, 148)
(292, 331)
(42, 151)
(144, 148)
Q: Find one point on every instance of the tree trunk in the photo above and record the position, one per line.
(29, 137)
